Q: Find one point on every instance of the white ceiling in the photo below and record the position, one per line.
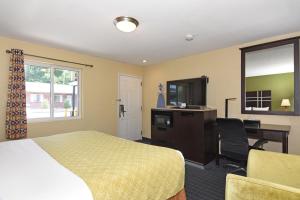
(87, 25)
(275, 60)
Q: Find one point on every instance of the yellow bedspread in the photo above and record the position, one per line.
(117, 169)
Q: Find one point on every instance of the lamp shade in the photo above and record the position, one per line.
(285, 103)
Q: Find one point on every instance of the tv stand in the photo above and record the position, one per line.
(191, 131)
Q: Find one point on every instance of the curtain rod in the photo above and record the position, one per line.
(87, 65)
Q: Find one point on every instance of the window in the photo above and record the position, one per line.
(52, 91)
(58, 98)
(36, 98)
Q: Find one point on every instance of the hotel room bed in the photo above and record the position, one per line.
(89, 165)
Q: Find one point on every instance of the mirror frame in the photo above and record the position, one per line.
(295, 42)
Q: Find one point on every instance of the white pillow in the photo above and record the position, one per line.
(261, 109)
(248, 108)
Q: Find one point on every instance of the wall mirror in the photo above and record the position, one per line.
(270, 78)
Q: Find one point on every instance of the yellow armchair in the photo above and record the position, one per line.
(270, 176)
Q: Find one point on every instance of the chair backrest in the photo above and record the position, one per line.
(233, 138)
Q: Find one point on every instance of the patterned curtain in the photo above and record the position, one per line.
(16, 122)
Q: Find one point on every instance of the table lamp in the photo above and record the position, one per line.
(285, 103)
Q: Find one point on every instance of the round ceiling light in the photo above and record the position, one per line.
(126, 24)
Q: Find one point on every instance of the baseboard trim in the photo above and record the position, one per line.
(146, 139)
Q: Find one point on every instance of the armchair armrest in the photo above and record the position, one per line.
(279, 168)
(245, 188)
(259, 144)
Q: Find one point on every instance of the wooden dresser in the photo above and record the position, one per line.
(191, 131)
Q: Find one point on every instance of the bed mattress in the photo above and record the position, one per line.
(111, 168)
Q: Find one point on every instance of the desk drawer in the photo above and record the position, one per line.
(255, 134)
(272, 136)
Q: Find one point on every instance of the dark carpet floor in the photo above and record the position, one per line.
(205, 183)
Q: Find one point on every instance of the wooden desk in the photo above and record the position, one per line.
(271, 132)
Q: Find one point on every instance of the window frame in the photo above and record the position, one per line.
(52, 67)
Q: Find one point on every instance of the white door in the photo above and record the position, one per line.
(130, 107)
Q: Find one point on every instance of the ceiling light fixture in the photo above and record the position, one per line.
(126, 24)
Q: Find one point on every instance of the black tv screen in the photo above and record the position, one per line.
(189, 91)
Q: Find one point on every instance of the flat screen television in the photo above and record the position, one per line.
(192, 92)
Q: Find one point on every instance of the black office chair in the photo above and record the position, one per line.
(234, 143)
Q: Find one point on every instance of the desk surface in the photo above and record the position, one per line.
(271, 127)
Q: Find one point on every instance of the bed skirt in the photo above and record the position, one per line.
(179, 196)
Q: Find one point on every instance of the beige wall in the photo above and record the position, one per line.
(99, 87)
(224, 70)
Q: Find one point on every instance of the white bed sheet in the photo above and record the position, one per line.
(27, 172)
